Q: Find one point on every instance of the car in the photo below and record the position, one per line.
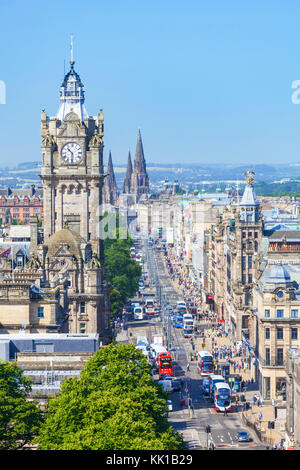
(243, 436)
(178, 324)
(205, 384)
(165, 377)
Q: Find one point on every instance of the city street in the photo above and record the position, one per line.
(190, 421)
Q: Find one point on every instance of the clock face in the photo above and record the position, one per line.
(71, 152)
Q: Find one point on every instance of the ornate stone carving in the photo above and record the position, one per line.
(94, 262)
(48, 141)
(96, 140)
(34, 262)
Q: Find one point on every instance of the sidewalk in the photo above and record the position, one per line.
(249, 417)
(270, 436)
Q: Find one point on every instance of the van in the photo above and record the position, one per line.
(167, 385)
(138, 313)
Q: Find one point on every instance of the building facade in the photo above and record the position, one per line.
(69, 293)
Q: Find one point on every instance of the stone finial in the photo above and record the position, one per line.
(34, 263)
(94, 262)
(96, 140)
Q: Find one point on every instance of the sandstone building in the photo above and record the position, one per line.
(62, 287)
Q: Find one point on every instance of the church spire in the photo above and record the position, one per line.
(110, 185)
(127, 180)
(139, 160)
(139, 178)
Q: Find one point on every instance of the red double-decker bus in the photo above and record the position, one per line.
(165, 364)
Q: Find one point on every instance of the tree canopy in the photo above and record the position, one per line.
(19, 419)
(121, 271)
(114, 405)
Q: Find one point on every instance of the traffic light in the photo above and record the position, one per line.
(271, 424)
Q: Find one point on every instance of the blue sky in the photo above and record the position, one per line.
(205, 81)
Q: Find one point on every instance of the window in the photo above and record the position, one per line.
(82, 327)
(267, 388)
(279, 333)
(243, 262)
(279, 356)
(250, 261)
(250, 234)
(267, 351)
(20, 262)
(82, 307)
(294, 333)
(249, 278)
(267, 313)
(294, 313)
(40, 312)
(279, 313)
(243, 279)
(244, 234)
(256, 235)
(267, 333)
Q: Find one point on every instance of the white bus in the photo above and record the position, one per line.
(222, 396)
(138, 313)
(213, 380)
(205, 363)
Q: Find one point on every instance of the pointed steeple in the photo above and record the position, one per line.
(139, 178)
(110, 185)
(127, 180)
(139, 159)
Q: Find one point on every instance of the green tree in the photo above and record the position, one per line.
(122, 272)
(19, 419)
(115, 405)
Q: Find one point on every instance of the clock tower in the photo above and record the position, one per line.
(72, 165)
(71, 252)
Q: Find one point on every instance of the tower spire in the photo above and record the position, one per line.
(110, 185)
(139, 178)
(72, 93)
(127, 180)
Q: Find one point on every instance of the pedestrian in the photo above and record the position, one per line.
(254, 399)
(188, 367)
